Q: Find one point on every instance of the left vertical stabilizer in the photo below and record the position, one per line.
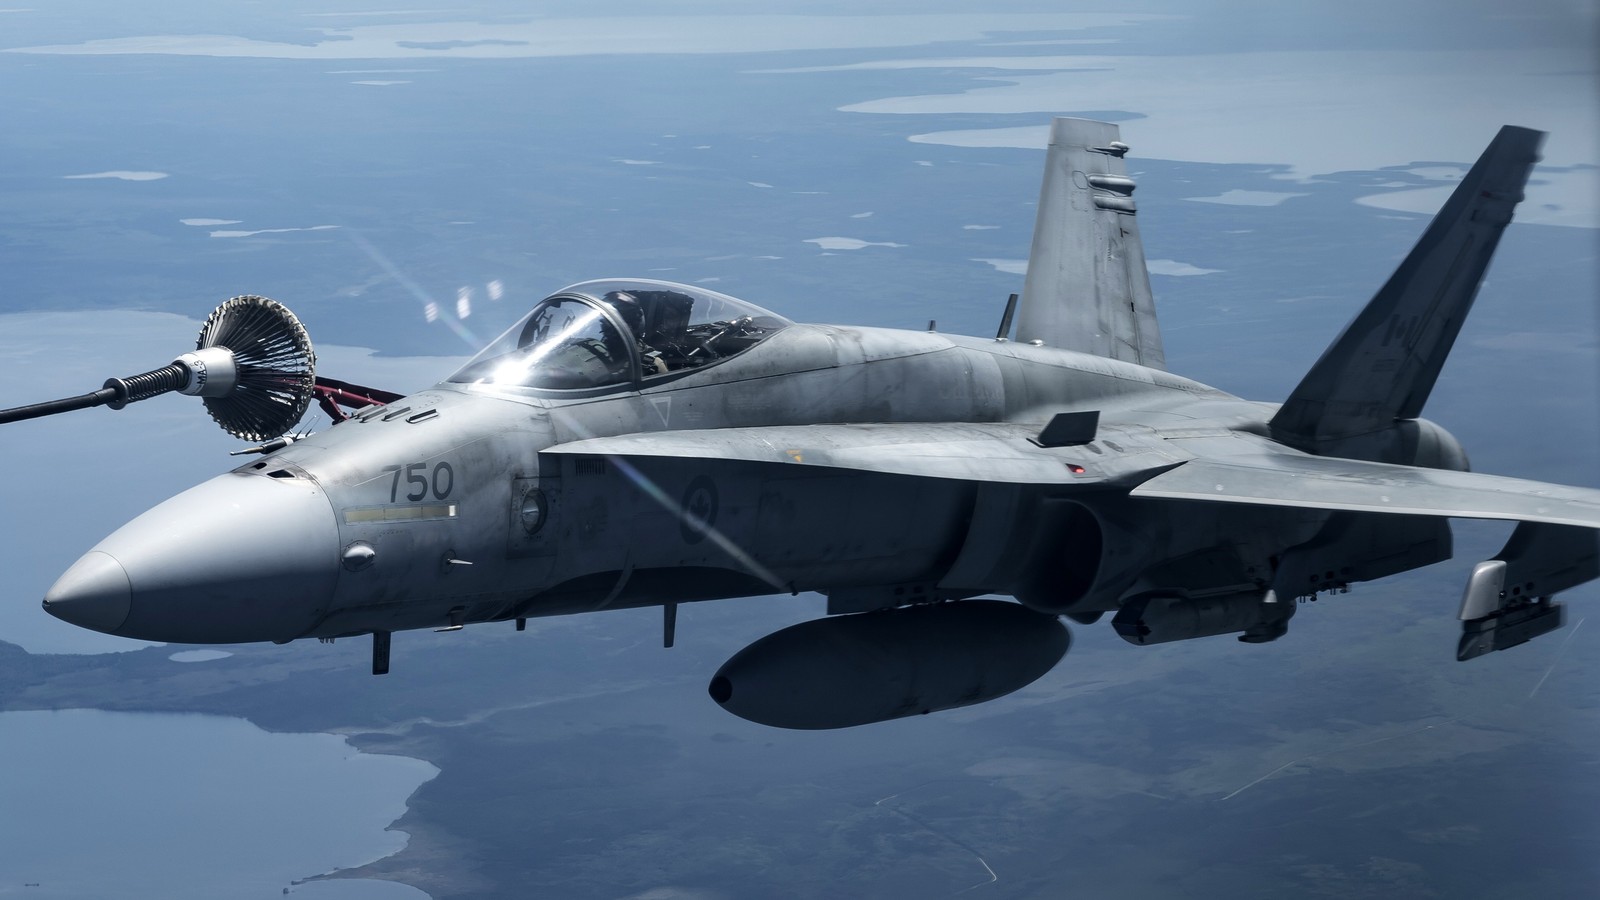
(1087, 288)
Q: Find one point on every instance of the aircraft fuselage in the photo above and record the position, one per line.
(440, 509)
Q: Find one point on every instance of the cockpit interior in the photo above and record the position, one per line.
(617, 332)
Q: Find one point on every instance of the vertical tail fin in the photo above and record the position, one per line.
(1087, 288)
(1385, 362)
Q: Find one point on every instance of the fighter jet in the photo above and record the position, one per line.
(638, 443)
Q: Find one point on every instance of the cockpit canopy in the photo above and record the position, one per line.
(602, 333)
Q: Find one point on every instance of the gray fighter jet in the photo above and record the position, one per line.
(638, 443)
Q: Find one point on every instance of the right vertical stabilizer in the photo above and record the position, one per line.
(1384, 364)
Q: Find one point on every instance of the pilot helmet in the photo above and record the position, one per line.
(628, 307)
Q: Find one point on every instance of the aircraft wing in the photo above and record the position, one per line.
(1003, 452)
(1345, 484)
(992, 452)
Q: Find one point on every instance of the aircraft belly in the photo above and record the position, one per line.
(1087, 552)
(647, 531)
(831, 528)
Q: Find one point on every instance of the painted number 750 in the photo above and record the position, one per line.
(419, 482)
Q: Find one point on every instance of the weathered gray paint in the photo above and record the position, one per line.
(884, 468)
(1087, 287)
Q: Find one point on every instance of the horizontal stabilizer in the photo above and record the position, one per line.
(1384, 364)
(1344, 484)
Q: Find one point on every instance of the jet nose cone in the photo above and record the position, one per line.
(93, 594)
(239, 558)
